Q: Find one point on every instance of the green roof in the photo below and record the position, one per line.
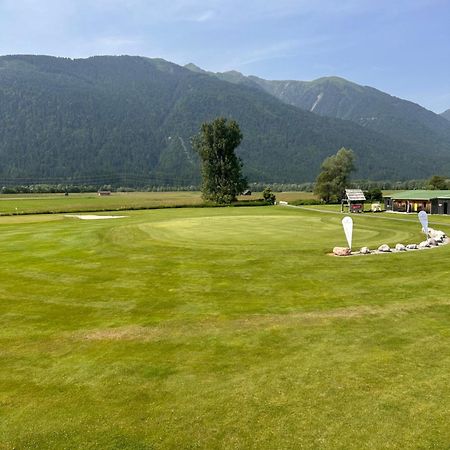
(419, 195)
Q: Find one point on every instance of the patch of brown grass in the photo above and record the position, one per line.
(212, 327)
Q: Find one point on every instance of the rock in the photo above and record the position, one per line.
(364, 251)
(342, 251)
(384, 248)
(432, 242)
(438, 235)
(400, 248)
(424, 244)
(411, 247)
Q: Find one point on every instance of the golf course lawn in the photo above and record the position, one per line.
(91, 201)
(18, 204)
(222, 328)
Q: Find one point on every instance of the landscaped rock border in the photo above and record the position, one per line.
(438, 239)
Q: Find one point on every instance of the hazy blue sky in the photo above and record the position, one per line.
(399, 46)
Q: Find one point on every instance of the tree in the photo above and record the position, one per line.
(374, 195)
(334, 175)
(438, 182)
(222, 180)
(269, 196)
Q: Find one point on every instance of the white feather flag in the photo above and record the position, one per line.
(347, 223)
(423, 217)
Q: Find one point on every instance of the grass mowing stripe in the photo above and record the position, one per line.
(213, 328)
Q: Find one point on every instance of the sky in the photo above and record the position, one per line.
(401, 47)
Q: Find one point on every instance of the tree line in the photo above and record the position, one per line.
(223, 181)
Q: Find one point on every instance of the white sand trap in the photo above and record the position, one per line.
(93, 217)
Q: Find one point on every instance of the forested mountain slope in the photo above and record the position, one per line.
(366, 106)
(134, 117)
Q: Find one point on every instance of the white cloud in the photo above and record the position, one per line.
(205, 16)
(275, 50)
(115, 44)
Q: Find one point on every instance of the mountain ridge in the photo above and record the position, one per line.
(364, 105)
(104, 115)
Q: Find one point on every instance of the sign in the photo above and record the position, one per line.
(423, 217)
(347, 223)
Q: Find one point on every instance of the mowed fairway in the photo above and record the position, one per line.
(222, 328)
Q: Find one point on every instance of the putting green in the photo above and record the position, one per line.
(232, 231)
(268, 231)
(221, 328)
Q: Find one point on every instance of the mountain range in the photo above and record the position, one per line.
(131, 119)
(363, 105)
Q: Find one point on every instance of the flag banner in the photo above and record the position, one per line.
(423, 217)
(347, 223)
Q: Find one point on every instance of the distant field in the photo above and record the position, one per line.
(221, 328)
(54, 203)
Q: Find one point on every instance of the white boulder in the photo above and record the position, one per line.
(412, 247)
(438, 235)
(364, 251)
(384, 248)
(424, 244)
(400, 248)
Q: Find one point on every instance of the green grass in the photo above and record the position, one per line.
(59, 203)
(54, 203)
(221, 328)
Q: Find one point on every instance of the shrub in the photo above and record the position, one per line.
(269, 196)
(306, 201)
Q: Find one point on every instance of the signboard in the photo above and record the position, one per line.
(347, 223)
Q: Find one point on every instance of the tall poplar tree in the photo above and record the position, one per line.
(222, 179)
(334, 175)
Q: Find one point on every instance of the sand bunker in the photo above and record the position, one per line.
(93, 217)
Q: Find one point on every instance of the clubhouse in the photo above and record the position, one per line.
(433, 202)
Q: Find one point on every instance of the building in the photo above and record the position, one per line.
(353, 201)
(433, 202)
